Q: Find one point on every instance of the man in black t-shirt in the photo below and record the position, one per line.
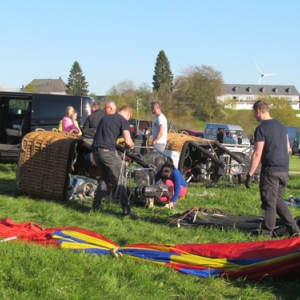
(92, 121)
(220, 136)
(108, 161)
(271, 148)
(240, 138)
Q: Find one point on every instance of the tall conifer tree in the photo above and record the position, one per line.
(162, 72)
(77, 85)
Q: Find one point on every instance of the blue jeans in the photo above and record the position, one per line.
(109, 164)
(272, 186)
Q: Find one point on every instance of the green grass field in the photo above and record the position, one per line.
(295, 163)
(30, 271)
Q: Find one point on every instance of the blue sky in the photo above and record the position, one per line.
(118, 40)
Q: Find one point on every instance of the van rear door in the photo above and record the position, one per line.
(13, 110)
(48, 110)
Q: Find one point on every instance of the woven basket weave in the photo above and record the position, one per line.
(45, 161)
(176, 141)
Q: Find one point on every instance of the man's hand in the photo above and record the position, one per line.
(130, 147)
(248, 181)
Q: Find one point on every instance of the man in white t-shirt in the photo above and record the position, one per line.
(160, 128)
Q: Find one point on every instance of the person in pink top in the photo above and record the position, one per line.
(69, 123)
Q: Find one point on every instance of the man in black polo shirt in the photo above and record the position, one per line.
(271, 148)
(108, 161)
(92, 121)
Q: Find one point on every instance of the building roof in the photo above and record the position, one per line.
(54, 86)
(255, 89)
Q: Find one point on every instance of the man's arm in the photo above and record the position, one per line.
(128, 140)
(256, 156)
(289, 150)
(159, 134)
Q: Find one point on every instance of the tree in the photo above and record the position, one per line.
(126, 93)
(162, 72)
(77, 85)
(143, 96)
(122, 94)
(94, 96)
(30, 88)
(244, 118)
(281, 109)
(165, 97)
(198, 89)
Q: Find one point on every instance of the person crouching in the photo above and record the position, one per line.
(171, 176)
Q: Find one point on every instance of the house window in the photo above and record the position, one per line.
(289, 98)
(236, 98)
(249, 98)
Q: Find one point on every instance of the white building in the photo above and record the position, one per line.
(245, 94)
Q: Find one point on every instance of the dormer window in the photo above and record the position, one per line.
(288, 90)
(235, 89)
(275, 90)
(248, 89)
(262, 89)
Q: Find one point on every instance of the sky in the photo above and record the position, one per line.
(119, 40)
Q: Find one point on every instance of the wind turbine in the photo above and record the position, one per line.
(262, 75)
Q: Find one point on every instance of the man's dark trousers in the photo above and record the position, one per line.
(109, 164)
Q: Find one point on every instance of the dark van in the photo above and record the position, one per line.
(21, 113)
(294, 137)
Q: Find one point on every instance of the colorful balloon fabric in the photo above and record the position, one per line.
(251, 260)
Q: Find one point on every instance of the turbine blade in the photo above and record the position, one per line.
(258, 68)
(270, 74)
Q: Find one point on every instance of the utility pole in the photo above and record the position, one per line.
(137, 107)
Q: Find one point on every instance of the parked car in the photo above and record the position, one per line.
(232, 134)
(192, 132)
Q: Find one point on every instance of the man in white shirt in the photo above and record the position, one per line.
(160, 128)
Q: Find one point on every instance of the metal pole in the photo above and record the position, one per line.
(137, 107)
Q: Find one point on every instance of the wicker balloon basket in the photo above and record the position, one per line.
(45, 164)
(176, 141)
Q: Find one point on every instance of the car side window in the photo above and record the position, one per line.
(18, 106)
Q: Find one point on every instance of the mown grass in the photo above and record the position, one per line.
(30, 271)
(295, 163)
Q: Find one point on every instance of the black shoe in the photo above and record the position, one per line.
(96, 208)
(126, 210)
(134, 215)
